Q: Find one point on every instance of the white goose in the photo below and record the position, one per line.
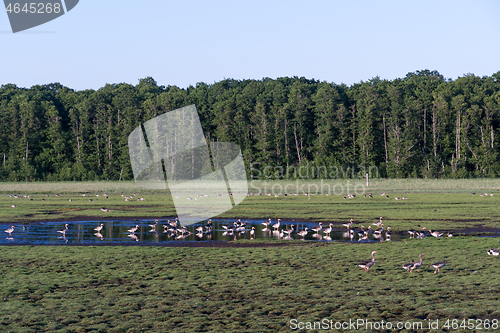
(436, 233)
(252, 233)
(367, 263)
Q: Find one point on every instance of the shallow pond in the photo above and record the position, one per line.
(117, 232)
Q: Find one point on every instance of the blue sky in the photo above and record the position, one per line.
(184, 42)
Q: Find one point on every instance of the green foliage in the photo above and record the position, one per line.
(420, 126)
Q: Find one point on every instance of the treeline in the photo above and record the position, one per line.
(419, 126)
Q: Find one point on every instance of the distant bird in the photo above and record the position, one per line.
(99, 228)
(105, 209)
(436, 233)
(328, 230)
(317, 228)
(493, 252)
(408, 266)
(133, 230)
(63, 232)
(252, 233)
(367, 263)
(70, 200)
(348, 224)
(153, 226)
(13, 206)
(90, 200)
(277, 225)
(303, 233)
(10, 230)
(267, 223)
(438, 265)
(417, 264)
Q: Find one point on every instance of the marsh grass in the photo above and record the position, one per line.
(161, 289)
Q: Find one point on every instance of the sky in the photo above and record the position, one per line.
(182, 43)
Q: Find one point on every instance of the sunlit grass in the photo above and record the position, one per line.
(121, 289)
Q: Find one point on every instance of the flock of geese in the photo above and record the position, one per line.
(413, 265)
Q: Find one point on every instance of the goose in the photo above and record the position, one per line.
(289, 231)
(10, 230)
(199, 230)
(317, 228)
(493, 252)
(328, 230)
(303, 233)
(438, 265)
(362, 231)
(133, 230)
(153, 226)
(379, 223)
(408, 266)
(416, 265)
(252, 233)
(348, 224)
(378, 233)
(388, 234)
(64, 230)
(99, 228)
(367, 263)
(436, 233)
(277, 225)
(412, 233)
(267, 223)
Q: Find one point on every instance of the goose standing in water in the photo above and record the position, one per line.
(277, 225)
(99, 228)
(252, 233)
(317, 228)
(303, 233)
(328, 230)
(438, 265)
(367, 263)
(436, 233)
(417, 264)
(10, 230)
(348, 224)
(63, 232)
(133, 230)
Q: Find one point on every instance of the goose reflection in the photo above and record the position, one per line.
(133, 236)
(99, 235)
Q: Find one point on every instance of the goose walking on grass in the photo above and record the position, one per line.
(408, 266)
(367, 263)
(438, 265)
(493, 252)
(63, 232)
(10, 230)
(416, 265)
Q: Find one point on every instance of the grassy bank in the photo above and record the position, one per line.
(133, 289)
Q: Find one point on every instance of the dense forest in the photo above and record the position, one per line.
(422, 125)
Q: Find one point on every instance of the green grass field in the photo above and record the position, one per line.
(257, 287)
